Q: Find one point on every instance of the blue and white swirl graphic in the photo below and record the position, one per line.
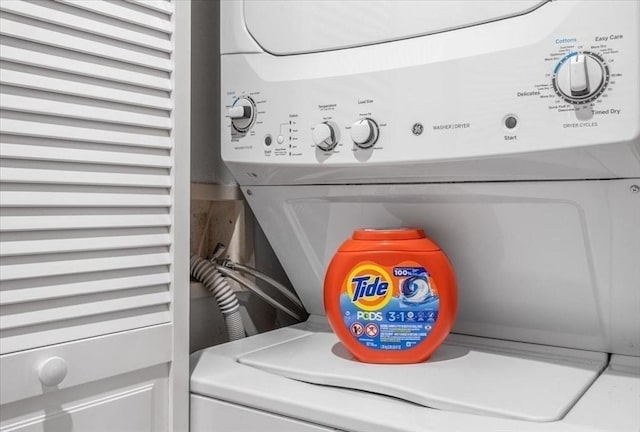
(415, 290)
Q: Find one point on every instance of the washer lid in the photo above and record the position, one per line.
(296, 27)
(467, 374)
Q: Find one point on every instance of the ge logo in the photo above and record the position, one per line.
(417, 128)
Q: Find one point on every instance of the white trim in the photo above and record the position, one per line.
(180, 211)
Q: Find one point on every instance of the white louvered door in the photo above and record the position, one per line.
(94, 151)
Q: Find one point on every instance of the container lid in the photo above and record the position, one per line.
(389, 239)
(377, 234)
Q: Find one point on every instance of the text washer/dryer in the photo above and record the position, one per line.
(510, 132)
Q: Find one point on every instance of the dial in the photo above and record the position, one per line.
(364, 133)
(242, 114)
(580, 77)
(326, 135)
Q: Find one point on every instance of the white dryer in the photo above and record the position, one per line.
(510, 132)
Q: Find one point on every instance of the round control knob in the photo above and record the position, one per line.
(364, 133)
(242, 114)
(325, 135)
(580, 77)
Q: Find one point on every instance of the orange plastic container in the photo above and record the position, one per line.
(390, 295)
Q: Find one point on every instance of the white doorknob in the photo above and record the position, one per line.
(52, 371)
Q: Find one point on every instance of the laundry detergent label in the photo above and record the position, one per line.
(389, 308)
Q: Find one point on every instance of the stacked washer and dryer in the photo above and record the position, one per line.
(510, 132)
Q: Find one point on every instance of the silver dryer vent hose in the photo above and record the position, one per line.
(205, 272)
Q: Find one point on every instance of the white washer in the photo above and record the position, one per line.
(509, 131)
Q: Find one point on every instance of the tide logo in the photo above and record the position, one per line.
(369, 287)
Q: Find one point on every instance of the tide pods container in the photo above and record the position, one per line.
(390, 295)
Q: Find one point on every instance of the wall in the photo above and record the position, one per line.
(218, 210)
(206, 164)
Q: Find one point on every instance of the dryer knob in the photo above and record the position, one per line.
(580, 78)
(325, 135)
(364, 133)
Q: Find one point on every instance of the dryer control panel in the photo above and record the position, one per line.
(538, 96)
